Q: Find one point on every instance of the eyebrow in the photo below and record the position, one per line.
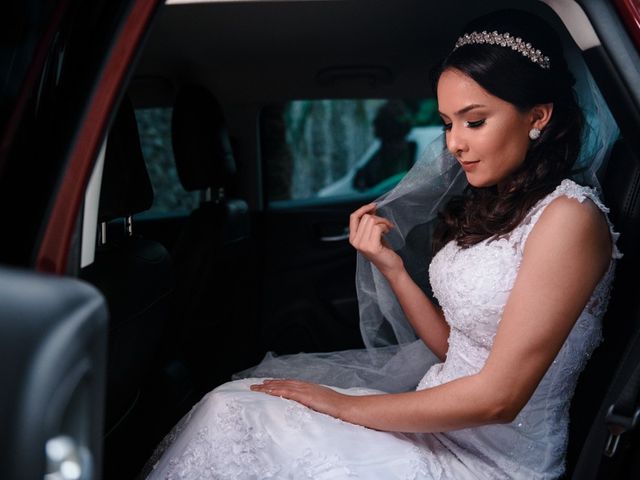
(466, 109)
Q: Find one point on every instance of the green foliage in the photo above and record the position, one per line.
(306, 145)
(309, 144)
(154, 125)
(427, 113)
(323, 139)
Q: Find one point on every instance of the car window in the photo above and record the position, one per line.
(154, 126)
(328, 148)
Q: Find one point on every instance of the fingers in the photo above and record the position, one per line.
(274, 383)
(365, 212)
(291, 389)
(369, 221)
(369, 234)
(355, 218)
(368, 228)
(365, 225)
(368, 208)
(264, 388)
(314, 396)
(376, 232)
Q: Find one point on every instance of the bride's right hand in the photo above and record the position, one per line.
(366, 231)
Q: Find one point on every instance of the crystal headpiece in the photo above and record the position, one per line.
(505, 40)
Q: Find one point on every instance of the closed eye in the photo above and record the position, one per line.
(476, 124)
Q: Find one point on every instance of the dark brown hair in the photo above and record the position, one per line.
(481, 213)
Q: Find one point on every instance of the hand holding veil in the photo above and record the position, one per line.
(394, 360)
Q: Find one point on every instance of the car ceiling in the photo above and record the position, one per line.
(262, 51)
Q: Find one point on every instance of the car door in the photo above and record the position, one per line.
(309, 297)
(338, 155)
(53, 344)
(63, 66)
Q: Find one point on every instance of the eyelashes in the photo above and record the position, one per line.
(478, 123)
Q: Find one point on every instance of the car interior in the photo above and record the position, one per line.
(206, 234)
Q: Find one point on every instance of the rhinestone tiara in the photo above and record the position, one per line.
(505, 40)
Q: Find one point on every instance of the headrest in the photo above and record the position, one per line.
(201, 145)
(126, 188)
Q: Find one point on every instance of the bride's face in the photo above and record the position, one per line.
(487, 135)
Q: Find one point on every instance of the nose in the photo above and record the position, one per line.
(456, 142)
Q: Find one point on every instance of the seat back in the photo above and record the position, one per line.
(214, 253)
(133, 273)
(621, 186)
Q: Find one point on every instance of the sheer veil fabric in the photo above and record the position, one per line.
(394, 359)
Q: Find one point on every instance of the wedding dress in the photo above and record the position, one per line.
(235, 433)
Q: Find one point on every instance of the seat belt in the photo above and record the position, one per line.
(602, 455)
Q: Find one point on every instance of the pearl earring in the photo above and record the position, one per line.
(534, 133)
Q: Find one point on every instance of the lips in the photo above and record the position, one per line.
(466, 166)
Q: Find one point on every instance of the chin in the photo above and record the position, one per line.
(480, 182)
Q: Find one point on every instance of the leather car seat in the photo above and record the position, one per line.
(621, 187)
(133, 273)
(214, 252)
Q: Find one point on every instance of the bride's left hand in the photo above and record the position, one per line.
(318, 398)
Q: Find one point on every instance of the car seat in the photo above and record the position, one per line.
(213, 255)
(133, 273)
(621, 187)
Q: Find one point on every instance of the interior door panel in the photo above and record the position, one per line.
(309, 300)
(53, 343)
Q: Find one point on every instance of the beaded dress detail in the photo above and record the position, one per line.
(234, 433)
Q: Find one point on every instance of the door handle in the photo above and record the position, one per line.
(339, 237)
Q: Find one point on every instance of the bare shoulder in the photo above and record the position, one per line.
(579, 227)
(567, 213)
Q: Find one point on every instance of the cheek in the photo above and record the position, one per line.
(518, 151)
(509, 150)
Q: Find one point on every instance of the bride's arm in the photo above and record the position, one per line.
(366, 232)
(565, 256)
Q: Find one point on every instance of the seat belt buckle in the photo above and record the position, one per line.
(618, 424)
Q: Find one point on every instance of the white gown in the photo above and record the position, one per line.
(234, 433)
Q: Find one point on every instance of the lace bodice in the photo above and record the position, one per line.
(472, 286)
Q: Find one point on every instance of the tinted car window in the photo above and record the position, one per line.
(154, 125)
(325, 148)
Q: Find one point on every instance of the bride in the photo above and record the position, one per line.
(521, 275)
